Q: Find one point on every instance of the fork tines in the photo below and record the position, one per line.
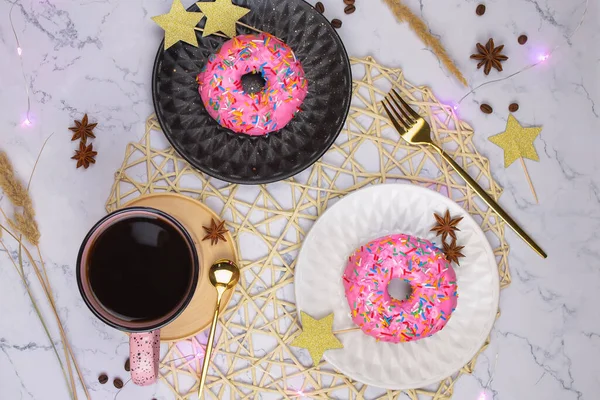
(399, 111)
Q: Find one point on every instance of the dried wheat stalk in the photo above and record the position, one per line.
(23, 223)
(24, 220)
(403, 13)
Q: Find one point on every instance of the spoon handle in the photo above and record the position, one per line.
(209, 344)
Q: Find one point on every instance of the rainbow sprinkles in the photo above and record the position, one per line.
(220, 84)
(417, 261)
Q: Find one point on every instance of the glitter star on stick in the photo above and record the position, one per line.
(179, 25)
(317, 336)
(517, 143)
(221, 16)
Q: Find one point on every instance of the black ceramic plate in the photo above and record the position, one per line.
(239, 158)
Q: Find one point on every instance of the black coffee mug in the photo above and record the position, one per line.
(137, 270)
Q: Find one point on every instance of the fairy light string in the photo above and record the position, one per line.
(27, 121)
(540, 59)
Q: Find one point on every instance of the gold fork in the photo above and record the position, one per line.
(415, 130)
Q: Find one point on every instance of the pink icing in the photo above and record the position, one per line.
(418, 262)
(263, 112)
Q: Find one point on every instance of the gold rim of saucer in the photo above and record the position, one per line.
(194, 215)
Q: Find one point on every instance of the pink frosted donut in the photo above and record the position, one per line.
(260, 113)
(418, 262)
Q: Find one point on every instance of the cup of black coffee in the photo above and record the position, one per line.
(137, 270)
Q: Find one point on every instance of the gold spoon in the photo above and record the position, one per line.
(223, 275)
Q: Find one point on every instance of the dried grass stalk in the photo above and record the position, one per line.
(21, 273)
(403, 13)
(24, 221)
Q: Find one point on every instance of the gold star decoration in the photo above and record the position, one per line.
(517, 141)
(317, 336)
(179, 25)
(221, 16)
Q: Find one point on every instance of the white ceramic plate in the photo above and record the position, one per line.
(366, 215)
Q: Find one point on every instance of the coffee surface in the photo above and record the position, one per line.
(140, 268)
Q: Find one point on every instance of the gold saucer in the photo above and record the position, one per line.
(193, 215)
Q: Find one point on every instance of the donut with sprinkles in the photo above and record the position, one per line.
(254, 114)
(416, 261)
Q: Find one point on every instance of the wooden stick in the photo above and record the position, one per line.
(529, 181)
(225, 36)
(216, 34)
(249, 27)
(346, 330)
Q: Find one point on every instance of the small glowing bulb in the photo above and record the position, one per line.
(544, 57)
(455, 107)
(19, 50)
(27, 122)
(300, 393)
(482, 396)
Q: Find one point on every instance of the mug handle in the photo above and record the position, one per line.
(144, 351)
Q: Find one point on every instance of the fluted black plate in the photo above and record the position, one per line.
(239, 158)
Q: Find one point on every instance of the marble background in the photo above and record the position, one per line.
(96, 56)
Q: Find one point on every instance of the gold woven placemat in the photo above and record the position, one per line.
(253, 357)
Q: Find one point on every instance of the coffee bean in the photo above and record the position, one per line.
(118, 383)
(349, 9)
(349, 2)
(514, 107)
(103, 379)
(320, 7)
(480, 10)
(336, 23)
(127, 365)
(522, 39)
(486, 109)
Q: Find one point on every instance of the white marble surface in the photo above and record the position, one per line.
(96, 57)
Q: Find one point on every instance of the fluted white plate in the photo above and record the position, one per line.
(366, 215)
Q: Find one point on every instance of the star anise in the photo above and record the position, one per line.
(85, 155)
(453, 252)
(446, 225)
(215, 232)
(489, 56)
(83, 130)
